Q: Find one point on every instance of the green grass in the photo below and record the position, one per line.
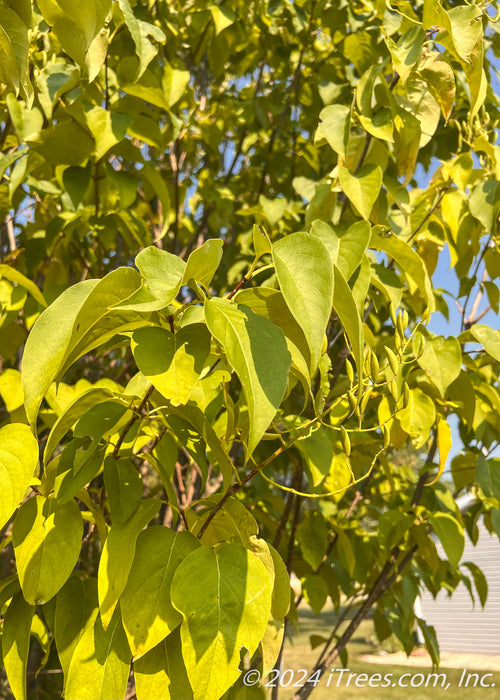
(298, 655)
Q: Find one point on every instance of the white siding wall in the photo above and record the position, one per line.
(459, 626)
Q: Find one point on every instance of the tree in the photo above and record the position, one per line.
(216, 277)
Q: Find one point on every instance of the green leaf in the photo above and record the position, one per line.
(480, 581)
(418, 416)
(232, 523)
(444, 443)
(440, 80)
(315, 592)
(281, 590)
(488, 476)
(163, 273)
(18, 461)
(363, 188)
(193, 442)
(174, 84)
(489, 339)
(347, 311)
(72, 325)
(172, 361)
(65, 143)
(484, 203)
(318, 450)
(304, 270)
(80, 30)
(68, 481)
(464, 27)
(107, 128)
(430, 639)
(16, 643)
(441, 360)
(334, 125)
(75, 603)
(203, 262)
(54, 80)
(10, 273)
(14, 48)
(408, 260)
(80, 406)
(271, 644)
(47, 539)
(421, 104)
(196, 418)
(261, 241)
(147, 613)
(351, 248)
(100, 664)
(140, 32)
(161, 673)
(124, 488)
(117, 557)
(225, 599)
(451, 535)
(407, 51)
(407, 137)
(76, 181)
(52, 332)
(223, 18)
(312, 534)
(271, 304)
(11, 391)
(249, 340)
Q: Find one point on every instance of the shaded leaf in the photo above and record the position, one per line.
(161, 673)
(147, 612)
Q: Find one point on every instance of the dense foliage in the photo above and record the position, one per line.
(216, 283)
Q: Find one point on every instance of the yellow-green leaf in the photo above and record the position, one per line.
(147, 613)
(304, 270)
(249, 340)
(444, 442)
(172, 361)
(451, 535)
(18, 461)
(75, 603)
(16, 643)
(441, 359)
(224, 596)
(47, 539)
(13, 275)
(100, 665)
(117, 557)
(203, 262)
(334, 124)
(418, 416)
(363, 188)
(161, 673)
